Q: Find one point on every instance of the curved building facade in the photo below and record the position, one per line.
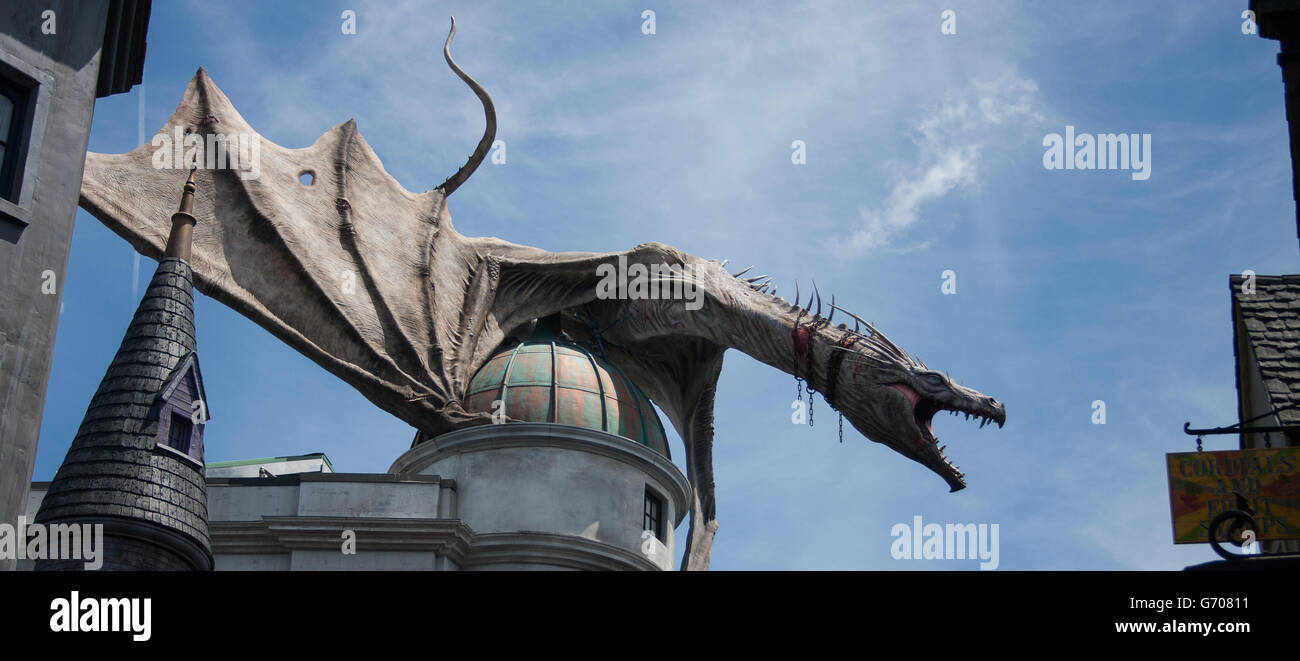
(553, 496)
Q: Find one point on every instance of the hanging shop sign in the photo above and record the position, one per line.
(1203, 485)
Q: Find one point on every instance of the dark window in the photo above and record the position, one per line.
(178, 437)
(14, 122)
(653, 519)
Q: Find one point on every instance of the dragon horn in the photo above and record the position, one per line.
(819, 300)
(832, 316)
(876, 334)
(489, 134)
(742, 271)
(858, 319)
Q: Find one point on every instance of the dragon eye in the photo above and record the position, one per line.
(934, 379)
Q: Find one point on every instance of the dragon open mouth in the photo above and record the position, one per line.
(927, 443)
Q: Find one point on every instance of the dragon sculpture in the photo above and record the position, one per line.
(374, 283)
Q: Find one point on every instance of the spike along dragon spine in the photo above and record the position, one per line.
(324, 249)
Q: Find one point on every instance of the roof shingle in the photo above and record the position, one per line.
(114, 468)
(1271, 318)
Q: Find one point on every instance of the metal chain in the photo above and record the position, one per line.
(1268, 442)
(1198, 445)
(841, 427)
(810, 407)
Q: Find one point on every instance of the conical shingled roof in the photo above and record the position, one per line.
(120, 469)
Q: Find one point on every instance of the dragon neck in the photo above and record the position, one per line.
(794, 339)
(798, 343)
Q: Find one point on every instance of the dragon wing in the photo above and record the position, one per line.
(338, 268)
(324, 249)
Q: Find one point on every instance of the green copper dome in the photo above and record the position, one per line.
(547, 378)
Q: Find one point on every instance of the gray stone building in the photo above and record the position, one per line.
(56, 58)
(136, 464)
(1266, 345)
(580, 478)
(1266, 309)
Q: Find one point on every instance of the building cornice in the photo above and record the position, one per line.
(285, 534)
(298, 478)
(449, 538)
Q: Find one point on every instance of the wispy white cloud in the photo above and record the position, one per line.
(949, 141)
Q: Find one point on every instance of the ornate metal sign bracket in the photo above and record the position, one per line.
(1239, 429)
(1243, 519)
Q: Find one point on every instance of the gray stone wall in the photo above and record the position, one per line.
(565, 483)
(35, 237)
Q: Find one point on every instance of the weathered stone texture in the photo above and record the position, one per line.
(114, 467)
(1271, 317)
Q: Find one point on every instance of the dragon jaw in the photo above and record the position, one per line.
(892, 400)
(924, 446)
(886, 395)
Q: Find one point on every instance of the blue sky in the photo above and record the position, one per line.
(924, 154)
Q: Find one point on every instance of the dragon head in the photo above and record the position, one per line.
(888, 396)
(892, 399)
